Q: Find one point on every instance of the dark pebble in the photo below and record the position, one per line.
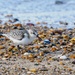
(73, 62)
(30, 24)
(58, 2)
(46, 41)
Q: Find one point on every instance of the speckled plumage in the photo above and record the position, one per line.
(18, 34)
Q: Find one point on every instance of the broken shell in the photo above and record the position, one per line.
(33, 70)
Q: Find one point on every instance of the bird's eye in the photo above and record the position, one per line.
(34, 33)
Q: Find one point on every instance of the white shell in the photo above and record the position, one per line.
(26, 53)
(63, 57)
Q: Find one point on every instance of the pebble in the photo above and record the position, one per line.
(33, 70)
(26, 54)
(30, 24)
(63, 57)
(73, 62)
(58, 2)
(46, 41)
(43, 69)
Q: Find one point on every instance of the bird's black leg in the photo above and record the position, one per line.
(18, 47)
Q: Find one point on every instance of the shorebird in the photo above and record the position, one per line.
(21, 37)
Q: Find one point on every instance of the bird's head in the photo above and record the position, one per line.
(33, 33)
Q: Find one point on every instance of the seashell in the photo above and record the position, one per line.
(4, 58)
(63, 57)
(26, 53)
(33, 70)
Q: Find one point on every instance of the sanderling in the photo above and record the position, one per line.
(21, 37)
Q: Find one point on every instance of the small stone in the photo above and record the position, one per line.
(46, 41)
(54, 48)
(63, 57)
(72, 56)
(43, 69)
(31, 56)
(1, 47)
(73, 40)
(30, 24)
(33, 70)
(38, 23)
(61, 63)
(73, 62)
(26, 53)
(59, 2)
(15, 19)
(4, 58)
(41, 53)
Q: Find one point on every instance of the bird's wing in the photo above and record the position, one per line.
(18, 34)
